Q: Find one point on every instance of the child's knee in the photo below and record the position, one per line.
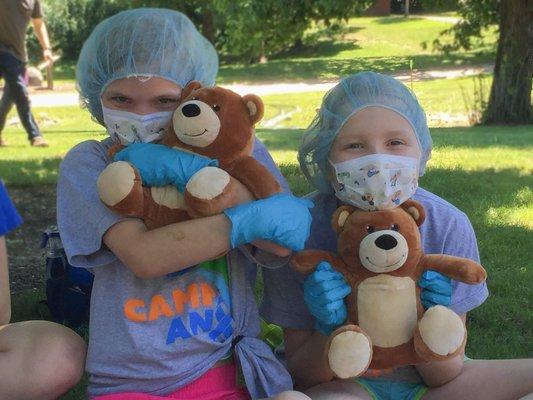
(291, 395)
(58, 349)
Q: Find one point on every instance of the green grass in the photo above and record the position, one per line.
(63, 128)
(440, 98)
(380, 44)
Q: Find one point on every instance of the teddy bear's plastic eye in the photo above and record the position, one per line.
(395, 227)
(216, 107)
(370, 229)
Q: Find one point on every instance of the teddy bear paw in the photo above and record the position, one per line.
(208, 183)
(116, 182)
(350, 352)
(441, 331)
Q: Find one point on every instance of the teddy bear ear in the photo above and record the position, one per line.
(191, 86)
(340, 216)
(255, 107)
(416, 210)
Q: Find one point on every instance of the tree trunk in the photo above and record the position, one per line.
(378, 9)
(208, 24)
(510, 96)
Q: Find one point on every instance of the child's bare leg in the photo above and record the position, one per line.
(289, 395)
(338, 389)
(488, 379)
(39, 360)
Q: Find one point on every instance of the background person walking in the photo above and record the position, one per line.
(15, 15)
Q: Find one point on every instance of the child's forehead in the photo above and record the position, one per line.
(376, 122)
(143, 84)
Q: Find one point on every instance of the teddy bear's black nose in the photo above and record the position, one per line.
(190, 110)
(386, 242)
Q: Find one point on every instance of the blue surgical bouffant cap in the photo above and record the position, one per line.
(350, 95)
(143, 42)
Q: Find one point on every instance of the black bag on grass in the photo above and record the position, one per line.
(68, 288)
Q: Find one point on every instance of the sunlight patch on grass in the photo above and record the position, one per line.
(520, 213)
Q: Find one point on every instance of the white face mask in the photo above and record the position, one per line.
(376, 181)
(127, 127)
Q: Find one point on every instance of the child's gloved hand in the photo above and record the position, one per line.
(160, 165)
(437, 289)
(283, 219)
(324, 293)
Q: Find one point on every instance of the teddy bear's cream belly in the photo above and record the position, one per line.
(386, 309)
(168, 196)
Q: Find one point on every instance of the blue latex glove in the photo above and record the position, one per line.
(324, 293)
(160, 165)
(437, 289)
(282, 218)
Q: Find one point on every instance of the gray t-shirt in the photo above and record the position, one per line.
(157, 335)
(446, 230)
(15, 16)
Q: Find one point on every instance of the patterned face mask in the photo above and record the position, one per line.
(127, 127)
(376, 182)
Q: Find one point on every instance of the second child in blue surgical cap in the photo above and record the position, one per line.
(371, 122)
(165, 321)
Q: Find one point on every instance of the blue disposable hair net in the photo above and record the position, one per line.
(349, 96)
(143, 42)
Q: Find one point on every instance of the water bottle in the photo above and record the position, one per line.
(55, 258)
(56, 272)
(68, 288)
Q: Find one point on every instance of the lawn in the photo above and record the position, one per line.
(379, 44)
(386, 44)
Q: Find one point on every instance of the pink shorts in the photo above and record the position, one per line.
(219, 383)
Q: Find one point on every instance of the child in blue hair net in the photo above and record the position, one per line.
(370, 120)
(165, 321)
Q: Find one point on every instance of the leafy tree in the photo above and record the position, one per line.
(251, 30)
(510, 96)
(242, 30)
(71, 21)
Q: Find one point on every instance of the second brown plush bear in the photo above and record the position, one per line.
(210, 121)
(380, 256)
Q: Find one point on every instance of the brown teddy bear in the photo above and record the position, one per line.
(380, 256)
(213, 122)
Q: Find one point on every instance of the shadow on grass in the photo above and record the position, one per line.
(482, 137)
(318, 68)
(280, 139)
(396, 20)
(479, 137)
(324, 48)
(30, 172)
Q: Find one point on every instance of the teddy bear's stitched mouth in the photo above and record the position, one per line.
(386, 266)
(200, 134)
